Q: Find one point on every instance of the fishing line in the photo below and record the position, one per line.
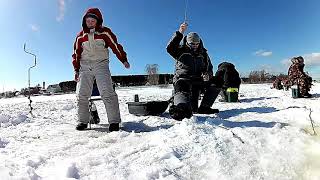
(185, 11)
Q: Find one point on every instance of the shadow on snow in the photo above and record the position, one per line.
(243, 124)
(234, 112)
(315, 95)
(139, 126)
(249, 100)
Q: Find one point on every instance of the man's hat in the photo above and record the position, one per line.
(193, 37)
(300, 59)
(297, 60)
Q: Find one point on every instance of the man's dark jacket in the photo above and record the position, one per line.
(230, 76)
(189, 64)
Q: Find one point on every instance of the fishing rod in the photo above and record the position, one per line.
(185, 12)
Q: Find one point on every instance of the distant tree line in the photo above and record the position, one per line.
(260, 76)
(152, 77)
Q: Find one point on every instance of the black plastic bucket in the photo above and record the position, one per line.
(147, 108)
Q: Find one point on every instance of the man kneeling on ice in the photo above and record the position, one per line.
(193, 72)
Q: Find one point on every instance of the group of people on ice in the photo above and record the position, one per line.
(193, 72)
(296, 76)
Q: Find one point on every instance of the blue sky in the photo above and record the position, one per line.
(252, 34)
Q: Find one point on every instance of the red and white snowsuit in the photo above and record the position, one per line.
(91, 59)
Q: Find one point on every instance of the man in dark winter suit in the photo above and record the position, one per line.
(229, 75)
(193, 72)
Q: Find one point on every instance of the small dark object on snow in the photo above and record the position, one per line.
(147, 108)
(81, 126)
(136, 98)
(95, 117)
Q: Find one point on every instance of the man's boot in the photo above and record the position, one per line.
(207, 110)
(306, 95)
(114, 127)
(180, 111)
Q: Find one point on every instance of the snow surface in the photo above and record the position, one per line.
(266, 136)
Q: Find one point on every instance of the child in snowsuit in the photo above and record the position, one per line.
(298, 77)
(193, 72)
(91, 62)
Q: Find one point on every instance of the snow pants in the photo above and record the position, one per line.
(99, 71)
(187, 92)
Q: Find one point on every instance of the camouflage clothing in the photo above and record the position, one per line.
(286, 83)
(277, 83)
(298, 77)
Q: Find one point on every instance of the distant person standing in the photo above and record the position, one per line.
(91, 62)
(298, 77)
(277, 83)
(286, 83)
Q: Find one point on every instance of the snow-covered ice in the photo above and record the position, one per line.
(266, 136)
